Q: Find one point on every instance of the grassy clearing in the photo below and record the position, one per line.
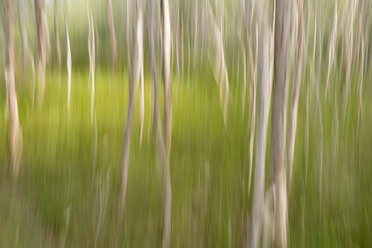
(63, 197)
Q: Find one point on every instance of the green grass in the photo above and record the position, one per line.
(61, 197)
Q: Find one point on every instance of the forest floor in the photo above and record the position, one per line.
(66, 193)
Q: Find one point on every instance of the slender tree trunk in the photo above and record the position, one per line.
(134, 77)
(56, 32)
(349, 15)
(15, 134)
(129, 34)
(331, 49)
(252, 84)
(68, 51)
(166, 40)
(296, 83)
(153, 63)
(220, 68)
(22, 33)
(42, 46)
(112, 34)
(92, 60)
(279, 113)
(264, 94)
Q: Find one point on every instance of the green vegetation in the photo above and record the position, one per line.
(65, 195)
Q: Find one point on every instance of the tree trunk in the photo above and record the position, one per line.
(112, 34)
(56, 32)
(248, 13)
(42, 46)
(220, 68)
(92, 60)
(166, 39)
(15, 134)
(279, 116)
(134, 77)
(68, 51)
(296, 83)
(264, 92)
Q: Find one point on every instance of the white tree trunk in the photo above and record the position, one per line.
(296, 82)
(134, 77)
(43, 46)
(264, 94)
(56, 32)
(279, 116)
(92, 61)
(220, 68)
(112, 34)
(166, 39)
(15, 134)
(68, 58)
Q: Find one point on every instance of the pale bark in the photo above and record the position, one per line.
(114, 54)
(264, 95)
(134, 77)
(252, 82)
(279, 116)
(362, 52)
(349, 14)
(331, 49)
(142, 103)
(56, 33)
(296, 82)
(220, 68)
(92, 60)
(180, 43)
(128, 34)
(15, 133)
(319, 110)
(22, 33)
(68, 61)
(42, 46)
(153, 63)
(166, 40)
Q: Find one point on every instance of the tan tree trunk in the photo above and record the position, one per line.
(128, 34)
(134, 77)
(279, 116)
(331, 49)
(42, 46)
(68, 58)
(220, 68)
(264, 93)
(248, 13)
(56, 33)
(15, 134)
(297, 81)
(112, 34)
(92, 60)
(166, 39)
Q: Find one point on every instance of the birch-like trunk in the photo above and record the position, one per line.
(296, 82)
(166, 45)
(331, 49)
(114, 54)
(264, 94)
(56, 33)
(248, 13)
(92, 61)
(220, 68)
(134, 77)
(15, 134)
(42, 46)
(349, 16)
(68, 60)
(22, 33)
(279, 116)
